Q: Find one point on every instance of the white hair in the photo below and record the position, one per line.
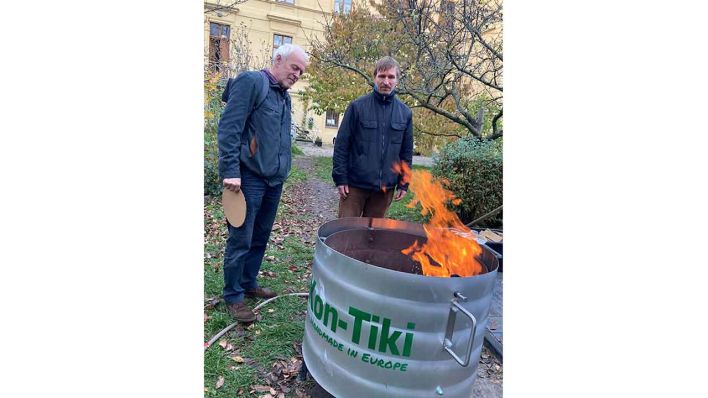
(286, 49)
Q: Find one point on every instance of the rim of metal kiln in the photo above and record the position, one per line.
(489, 260)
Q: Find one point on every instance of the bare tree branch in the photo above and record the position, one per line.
(496, 133)
(217, 7)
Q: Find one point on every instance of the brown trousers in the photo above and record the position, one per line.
(365, 203)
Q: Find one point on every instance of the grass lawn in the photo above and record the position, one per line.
(246, 357)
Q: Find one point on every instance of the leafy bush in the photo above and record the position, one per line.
(213, 107)
(474, 172)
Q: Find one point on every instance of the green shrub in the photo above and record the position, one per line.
(212, 182)
(213, 106)
(474, 172)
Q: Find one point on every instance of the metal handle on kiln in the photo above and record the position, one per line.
(447, 343)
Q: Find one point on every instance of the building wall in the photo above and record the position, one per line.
(264, 18)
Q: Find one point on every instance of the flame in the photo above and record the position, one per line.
(451, 247)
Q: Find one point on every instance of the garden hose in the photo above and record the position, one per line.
(226, 329)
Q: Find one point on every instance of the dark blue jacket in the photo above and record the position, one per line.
(376, 132)
(258, 139)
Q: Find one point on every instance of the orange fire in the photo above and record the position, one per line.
(451, 248)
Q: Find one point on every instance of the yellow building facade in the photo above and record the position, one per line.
(243, 36)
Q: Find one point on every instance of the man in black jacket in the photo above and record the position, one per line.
(376, 133)
(255, 157)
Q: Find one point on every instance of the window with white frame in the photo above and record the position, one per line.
(343, 6)
(279, 40)
(332, 119)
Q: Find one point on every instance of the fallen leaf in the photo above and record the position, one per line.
(271, 310)
(220, 382)
(223, 343)
(261, 388)
(237, 358)
(210, 302)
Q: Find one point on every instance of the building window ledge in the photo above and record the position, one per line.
(282, 19)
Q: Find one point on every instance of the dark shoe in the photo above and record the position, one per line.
(241, 312)
(261, 292)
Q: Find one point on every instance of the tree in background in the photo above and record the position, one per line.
(451, 60)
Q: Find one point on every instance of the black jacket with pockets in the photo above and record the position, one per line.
(376, 132)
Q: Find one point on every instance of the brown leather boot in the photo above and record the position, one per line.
(261, 292)
(241, 312)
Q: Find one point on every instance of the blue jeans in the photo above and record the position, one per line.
(246, 244)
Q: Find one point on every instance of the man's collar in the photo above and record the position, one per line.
(273, 80)
(384, 98)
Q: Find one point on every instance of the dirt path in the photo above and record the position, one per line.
(305, 206)
(320, 197)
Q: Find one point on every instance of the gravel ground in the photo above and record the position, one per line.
(326, 150)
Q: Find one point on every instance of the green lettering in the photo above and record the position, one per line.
(386, 339)
(365, 358)
(373, 332)
(318, 312)
(408, 343)
(335, 317)
(404, 367)
(358, 317)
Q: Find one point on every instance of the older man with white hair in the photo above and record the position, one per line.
(255, 158)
